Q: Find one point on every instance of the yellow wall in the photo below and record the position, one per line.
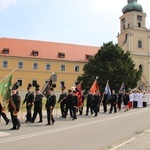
(27, 74)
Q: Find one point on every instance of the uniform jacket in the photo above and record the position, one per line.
(62, 97)
(29, 98)
(51, 101)
(14, 103)
(38, 101)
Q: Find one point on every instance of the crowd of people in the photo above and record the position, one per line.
(94, 103)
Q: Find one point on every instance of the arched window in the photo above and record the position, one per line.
(20, 64)
(141, 68)
(35, 65)
(62, 67)
(48, 66)
(5, 64)
(139, 44)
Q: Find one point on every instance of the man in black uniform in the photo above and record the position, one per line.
(14, 106)
(69, 100)
(105, 101)
(2, 113)
(29, 98)
(62, 101)
(37, 105)
(89, 103)
(74, 105)
(50, 103)
(120, 99)
(96, 102)
(113, 102)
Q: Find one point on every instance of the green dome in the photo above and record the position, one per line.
(132, 6)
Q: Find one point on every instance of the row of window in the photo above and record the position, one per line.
(35, 66)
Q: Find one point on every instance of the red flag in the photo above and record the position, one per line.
(79, 94)
(95, 87)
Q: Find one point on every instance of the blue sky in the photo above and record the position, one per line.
(85, 22)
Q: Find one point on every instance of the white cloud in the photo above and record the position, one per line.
(6, 4)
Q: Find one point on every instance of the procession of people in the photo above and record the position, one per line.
(94, 103)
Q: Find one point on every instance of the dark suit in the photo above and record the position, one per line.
(29, 98)
(14, 106)
(95, 102)
(113, 102)
(37, 107)
(62, 101)
(69, 100)
(89, 104)
(105, 100)
(50, 103)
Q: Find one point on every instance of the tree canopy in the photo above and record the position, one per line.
(113, 64)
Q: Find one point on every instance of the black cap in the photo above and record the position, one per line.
(69, 90)
(37, 87)
(29, 86)
(15, 86)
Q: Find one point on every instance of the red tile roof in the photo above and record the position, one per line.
(46, 50)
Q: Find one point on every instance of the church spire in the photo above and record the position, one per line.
(132, 6)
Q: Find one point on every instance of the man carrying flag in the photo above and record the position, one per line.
(96, 97)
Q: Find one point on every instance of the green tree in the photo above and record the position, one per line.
(113, 64)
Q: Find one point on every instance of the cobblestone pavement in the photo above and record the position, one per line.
(139, 142)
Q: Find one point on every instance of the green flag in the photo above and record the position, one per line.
(5, 90)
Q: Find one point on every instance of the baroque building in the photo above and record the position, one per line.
(134, 37)
(34, 61)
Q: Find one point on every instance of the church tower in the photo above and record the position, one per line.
(135, 38)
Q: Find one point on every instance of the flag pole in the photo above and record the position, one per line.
(8, 74)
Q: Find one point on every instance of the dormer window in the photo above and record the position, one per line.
(35, 53)
(61, 55)
(88, 56)
(6, 51)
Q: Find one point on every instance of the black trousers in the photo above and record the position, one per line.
(28, 115)
(113, 105)
(119, 105)
(15, 120)
(95, 108)
(74, 110)
(89, 106)
(62, 108)
(66, 111)
(37, 111)
(4, 116)
(134, 104)
(105, 106)
(50, 118)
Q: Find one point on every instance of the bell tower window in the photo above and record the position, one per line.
(139, 44)
(139, 24)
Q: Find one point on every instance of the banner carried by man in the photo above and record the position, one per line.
(5, 90)
(95, 87)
